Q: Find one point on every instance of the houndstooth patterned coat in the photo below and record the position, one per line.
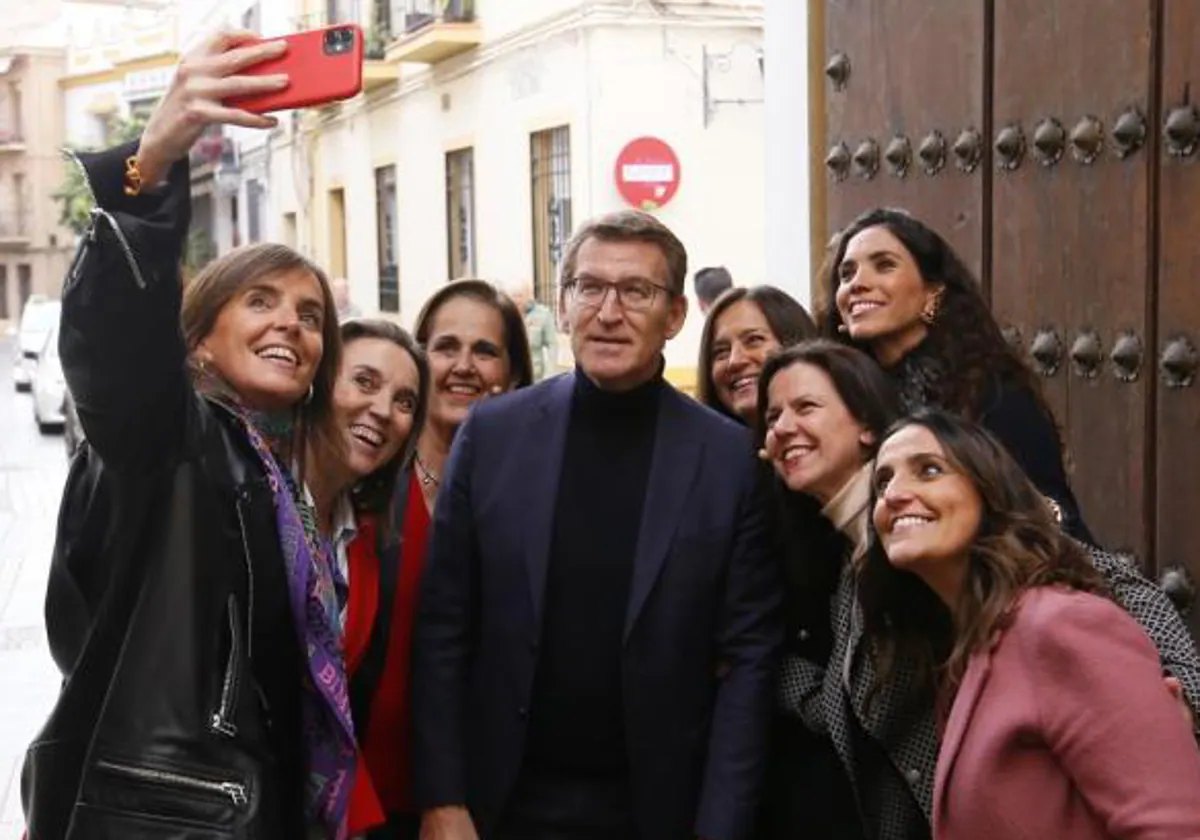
(833, 701)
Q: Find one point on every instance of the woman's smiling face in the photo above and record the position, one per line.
(468, 358)
(375, 399)
(927, 511)
(742, 340)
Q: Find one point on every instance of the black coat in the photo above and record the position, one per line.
(702, 626)
(167, 607)
(808, 791)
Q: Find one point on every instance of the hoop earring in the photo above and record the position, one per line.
(308, 398)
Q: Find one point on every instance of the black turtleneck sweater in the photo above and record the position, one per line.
(577, 713)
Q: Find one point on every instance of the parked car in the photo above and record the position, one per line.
(49, 386)
(39, 315)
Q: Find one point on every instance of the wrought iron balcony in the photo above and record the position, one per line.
(434, 30)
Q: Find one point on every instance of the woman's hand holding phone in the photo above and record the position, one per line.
(207, 75)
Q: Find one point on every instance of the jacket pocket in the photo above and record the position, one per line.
(91, 822)
(123, 792)
(222, 720)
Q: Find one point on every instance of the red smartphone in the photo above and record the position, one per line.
(323, 66)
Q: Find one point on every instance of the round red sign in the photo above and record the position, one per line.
(647, 173)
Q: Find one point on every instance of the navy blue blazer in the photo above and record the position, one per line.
(702, 630)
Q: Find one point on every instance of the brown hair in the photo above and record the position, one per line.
(373, 493)
(790, 323)
(516, 341)
(1019, 546)
(629, 226)
(207, 294)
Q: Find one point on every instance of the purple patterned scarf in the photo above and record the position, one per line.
(328, 727)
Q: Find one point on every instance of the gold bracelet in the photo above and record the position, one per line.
(133, 176)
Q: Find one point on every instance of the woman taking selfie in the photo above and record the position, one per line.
(743, 327)
(193, 605)
(900, 292)
(1049, 696)
(824, 409)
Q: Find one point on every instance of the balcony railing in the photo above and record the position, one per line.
(433, 30)
(422, 13)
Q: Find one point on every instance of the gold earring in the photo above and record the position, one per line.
(932, 309)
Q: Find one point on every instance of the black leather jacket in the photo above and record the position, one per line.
(167, 607)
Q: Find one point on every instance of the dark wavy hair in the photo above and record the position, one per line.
(812, 550)
(516, 340)
(788, 319)
(1019, 545)
(964, 337)
(373, 493)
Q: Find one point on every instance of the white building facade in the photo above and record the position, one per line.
(480, 163)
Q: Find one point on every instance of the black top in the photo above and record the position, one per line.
(577, 721)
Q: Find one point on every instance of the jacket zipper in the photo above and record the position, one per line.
(99, 212)
(244, 497)
(234, 791)
(221, 719)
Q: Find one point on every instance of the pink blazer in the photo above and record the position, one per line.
(1065, 730)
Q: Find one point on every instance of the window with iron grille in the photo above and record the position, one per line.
(550, 173)
(385, 221)
(460, 212)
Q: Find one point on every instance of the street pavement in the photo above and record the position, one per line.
(32, 470)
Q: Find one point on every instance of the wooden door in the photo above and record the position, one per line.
(904, 89)
(1081, 215)
(1177, 442)
(1071, 231)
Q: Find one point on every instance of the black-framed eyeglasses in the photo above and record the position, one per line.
(633, 295)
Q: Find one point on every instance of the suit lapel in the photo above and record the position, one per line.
(672, 470)
(541, 469)
(961, 711)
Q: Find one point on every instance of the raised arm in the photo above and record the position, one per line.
(122, 352)
(1110, 721)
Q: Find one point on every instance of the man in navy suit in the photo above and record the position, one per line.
(594, 648)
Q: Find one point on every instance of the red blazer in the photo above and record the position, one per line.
(1065, 730)
(383, 783)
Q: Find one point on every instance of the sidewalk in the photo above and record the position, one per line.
(32, 469)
